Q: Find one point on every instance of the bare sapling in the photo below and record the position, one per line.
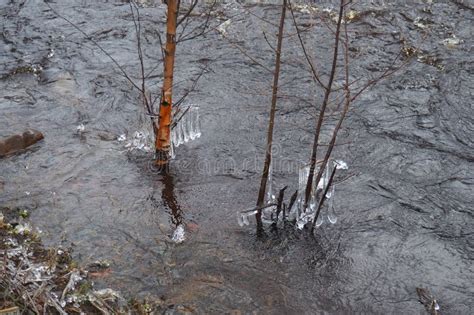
(163, 123)
(332, 143)
(327, 93)
(347, 98)
(268, 147)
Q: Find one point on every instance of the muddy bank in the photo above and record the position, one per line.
(39, 280)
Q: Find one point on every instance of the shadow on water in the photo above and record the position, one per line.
(169, 198)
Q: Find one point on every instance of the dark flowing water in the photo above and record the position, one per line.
(405, 212)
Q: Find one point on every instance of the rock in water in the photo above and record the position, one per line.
(17, 143)
(430, 303)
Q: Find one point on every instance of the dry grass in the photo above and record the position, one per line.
(38, 280)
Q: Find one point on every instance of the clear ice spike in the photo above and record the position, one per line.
(197, 126)
(319, 221)
(326, 176)
(185, 127)
(245, 219)
(240, 219)
(174, 138)
(303, 220)
(303, 178)
(179, 134)
(172, 152)
(313, 203)
(192, 122)
(299, 206)
(341, 165)
(332, 217)
(300, 224)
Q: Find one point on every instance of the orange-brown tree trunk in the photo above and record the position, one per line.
(163, 125)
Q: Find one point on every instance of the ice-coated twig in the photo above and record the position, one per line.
(73, 278)
(259, 208)
(53, 302)
(290, 205)
(280, 203)
(321, 202)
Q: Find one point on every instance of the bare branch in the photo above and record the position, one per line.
(347, 104)
(303, 47)
(258, 63)
(270, 45)
(124, 73)
(309, 184)
(186, 15)
(192, 88)
(199, 30)
(137, 24)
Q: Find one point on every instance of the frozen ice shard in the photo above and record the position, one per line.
(332, 218)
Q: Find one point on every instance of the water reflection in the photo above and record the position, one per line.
(169, 199)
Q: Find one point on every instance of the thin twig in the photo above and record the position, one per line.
(259, 208)
(191, 8)
(303, 47)
(279, 203)
(199, 30)
(176, 121)
(268, 43)
(258, 63)
(348, 102)
(292, 202)
(192, 88)
(137, 24)
(124, 73)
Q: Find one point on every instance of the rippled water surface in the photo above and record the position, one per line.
(405, 210)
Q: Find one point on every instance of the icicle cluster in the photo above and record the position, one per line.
(140, 140)
(303, 216)
(187, 128)
(298, 213)
(243, 217)
(267, 213)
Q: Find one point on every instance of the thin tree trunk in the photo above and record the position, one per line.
(323, 198)
(268, 151)
(347, 104)
(309, 184)
(163, 125)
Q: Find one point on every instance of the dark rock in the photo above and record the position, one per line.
(16, 143)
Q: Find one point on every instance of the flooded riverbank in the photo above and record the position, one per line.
(405, 216)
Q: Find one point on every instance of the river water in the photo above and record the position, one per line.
(405, 209)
